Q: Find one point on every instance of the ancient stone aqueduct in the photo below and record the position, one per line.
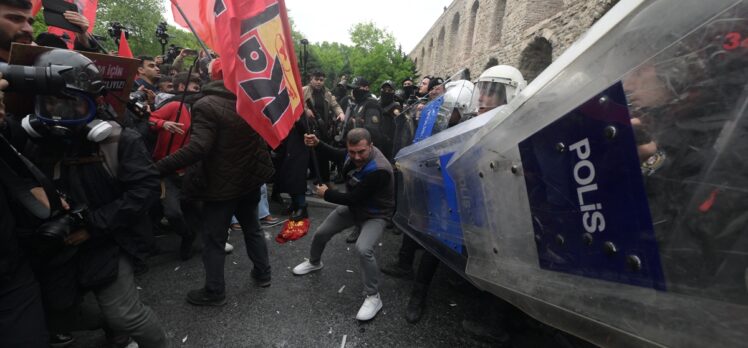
(528, 34)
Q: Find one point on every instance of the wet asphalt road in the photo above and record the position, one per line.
(318, 310)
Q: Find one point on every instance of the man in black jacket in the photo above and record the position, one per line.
(367, 203)
(227, 162)
(107, 173)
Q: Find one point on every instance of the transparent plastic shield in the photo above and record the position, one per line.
(428, 204)
(613, 200)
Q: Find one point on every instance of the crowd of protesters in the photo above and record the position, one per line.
(182, 160)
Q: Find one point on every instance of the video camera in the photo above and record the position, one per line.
(115, 30)
(33, 79)
(161, 32)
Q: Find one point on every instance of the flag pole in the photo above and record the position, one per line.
(192, 29)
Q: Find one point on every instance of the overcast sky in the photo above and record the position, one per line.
(330, 20)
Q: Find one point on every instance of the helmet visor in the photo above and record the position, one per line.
(489, 95)
(75, 109)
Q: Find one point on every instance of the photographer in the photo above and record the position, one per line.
(22, 321)
(107, 176)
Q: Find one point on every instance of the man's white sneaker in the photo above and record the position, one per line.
(229, 248)
(370, 308)
(306, 267)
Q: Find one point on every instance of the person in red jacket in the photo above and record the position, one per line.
(173, 127)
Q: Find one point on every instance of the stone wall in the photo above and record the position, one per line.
(527, 34)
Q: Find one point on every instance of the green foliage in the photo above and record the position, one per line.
(140, 16)
(39, 25)
(374, 55)
(183, 38)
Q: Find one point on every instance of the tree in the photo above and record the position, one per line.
(333, 60)
(374, 55)
(140, 16)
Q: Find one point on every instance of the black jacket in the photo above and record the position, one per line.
(225, 157)
(370, 190)
(117, 199)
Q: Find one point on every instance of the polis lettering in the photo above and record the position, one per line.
(584, 175)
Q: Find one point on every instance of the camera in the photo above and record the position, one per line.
(161, 32)
(56, 229)
(138, 104)
(115, 31)
(172, 53)
(33, 79)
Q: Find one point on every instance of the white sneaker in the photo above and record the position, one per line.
(306, 267)
(370, 308)
(229, 248)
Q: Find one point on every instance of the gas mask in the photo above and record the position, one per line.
(71, 112)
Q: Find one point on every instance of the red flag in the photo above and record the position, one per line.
(85, 7)
(200, 15)
(259, 64)
(36, 5)
(124, 47)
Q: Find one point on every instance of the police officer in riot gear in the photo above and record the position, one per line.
(107, 176)
(497, 86)
(391, 108)
(366, 112)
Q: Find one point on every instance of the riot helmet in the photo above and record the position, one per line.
(457, 104)
(72, 109)
(497, 86)
(360, 89)
(387, 92)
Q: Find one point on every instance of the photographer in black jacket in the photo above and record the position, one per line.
(106, 173)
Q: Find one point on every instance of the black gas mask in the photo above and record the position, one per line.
(70, 112)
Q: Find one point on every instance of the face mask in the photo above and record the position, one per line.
(409, 91)
(387, 98)
(360, 94)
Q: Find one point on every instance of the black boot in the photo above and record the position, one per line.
(416, 303)
(299, 214)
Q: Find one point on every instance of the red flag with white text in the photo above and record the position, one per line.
(259, 64)
(200, 14)
(85, 7)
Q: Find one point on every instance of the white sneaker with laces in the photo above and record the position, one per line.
(306, 267)
(229, 248)
(370, 308)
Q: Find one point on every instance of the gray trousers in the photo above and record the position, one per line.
(340, 219)
(121, 308)
(118, 307)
